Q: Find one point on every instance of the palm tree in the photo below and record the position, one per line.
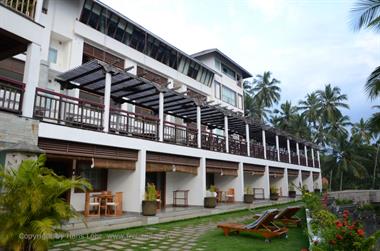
(266, 89)
(361, 131)
(255, 110)
(299, 128)
(331, 100)
(372, 87)
(284, 116)
(339, 127)
(366, 14)
(310, 108)
(31, 204)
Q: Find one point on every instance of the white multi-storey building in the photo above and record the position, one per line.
(108, 100)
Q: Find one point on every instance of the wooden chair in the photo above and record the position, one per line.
(263, 226)
(91, 203)
(115, 204)
(286, 216)
(231, 195)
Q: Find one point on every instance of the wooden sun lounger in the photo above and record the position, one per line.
(263, 226)
(287, 216)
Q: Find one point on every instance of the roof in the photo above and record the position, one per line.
(246, 73)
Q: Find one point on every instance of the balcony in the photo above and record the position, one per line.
(284, 156)
(272, 154)
(237, 146)
(180, 134)
(257, 151)
(213, 142)
(25, 7)
(11, 95)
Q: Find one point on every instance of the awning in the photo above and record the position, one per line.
(220, 167)
(160, 162)
(276, 172)
(254, 169)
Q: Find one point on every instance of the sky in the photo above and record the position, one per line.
(306, 44)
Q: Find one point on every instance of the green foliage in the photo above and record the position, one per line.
(151, 193)
(312, 201)
(32, 204)
(343, 202)
(212, 189)
(273, 190)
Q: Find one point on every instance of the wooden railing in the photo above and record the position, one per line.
(310, 162)
(302, 160)
(238, 147)
(58, 108)
(133, 124)
(213, 142)
(284, 156)
(180, 134)
(257, 151)
(25, 7)
(272, 154)
(11, 95)
(294, 158)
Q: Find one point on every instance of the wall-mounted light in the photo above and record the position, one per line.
(92, 162)
(221, 172)
(174, 168)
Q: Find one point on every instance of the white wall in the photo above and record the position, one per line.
(308, 181)
(296, 182)
(123, 181)
(255, 181)
(225, 182)
(279, 182)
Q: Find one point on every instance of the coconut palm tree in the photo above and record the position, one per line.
(283, 117)
(339, 127)
(31, 204)
(255, 110)
(310, 108)
(266, 90)
(361, 131)
(366, 15)
(298, 127)
(331, 100)
(372, 87)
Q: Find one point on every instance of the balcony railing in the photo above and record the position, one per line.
(236, 146)
(310, 162)
(11, 95)
(284, 156)
(294, 158)
(272, 154)
(61, 109)
(302, 160)
(133, 124)
(180, 134)
(257, 151)
(213, 142)
(25, 7)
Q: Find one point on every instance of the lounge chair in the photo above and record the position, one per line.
(263, 226)
(287, 216)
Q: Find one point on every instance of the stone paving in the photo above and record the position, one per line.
(153, 238)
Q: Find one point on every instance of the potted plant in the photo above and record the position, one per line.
(149, 204)
(210, 199)
(248, 195)
(273, 193)
(305, 188)
(292, 191)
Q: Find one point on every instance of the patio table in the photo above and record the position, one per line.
(103, 198)
(184, 198)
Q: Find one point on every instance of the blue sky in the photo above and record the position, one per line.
(306, 44)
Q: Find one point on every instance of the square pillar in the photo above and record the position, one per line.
(285, 183)
(31, 78)
(247, 139)
(107, 101)
(264, 146)
(289, 150)
(266, 183)
(278, 147)
(226, 133)
(312, 156)
(319, 160)
(298, 153)
(300, 180)
(199, 127)
(306, 158)
(135, 193)
(161, 117)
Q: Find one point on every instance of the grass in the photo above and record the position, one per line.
(214, 239)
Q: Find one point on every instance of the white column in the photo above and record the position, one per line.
(311, 182)
(264, 145)
(266, 183)
(285, 183)
(226, 133)
(320, 181)
(306, 158)
(300, 181)
(240, 183)
(312, 156)
(161, 116)
(75, 59)
(202, 172)
(247, 139)
(319, 160)
(298, 153)
(199, 127)
(107, 101)
(31, 77)
(289, 152)
(137, 180)
(278, 147)
(38, 10)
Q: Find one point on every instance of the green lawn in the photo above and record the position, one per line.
(212, 239)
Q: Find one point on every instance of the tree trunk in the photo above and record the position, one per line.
(375, 166)
(341, 180)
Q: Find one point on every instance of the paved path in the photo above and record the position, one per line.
(175, 238)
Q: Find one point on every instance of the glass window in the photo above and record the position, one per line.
(96, 176)
(228, 96)
(53, 54)
(95, 16)
(217, 89)
(228, 71)
(240, 101)
(120, 30)
(113, 21)
(217, 64)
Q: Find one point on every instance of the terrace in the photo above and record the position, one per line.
(175, 118)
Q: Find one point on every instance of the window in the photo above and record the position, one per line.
(53, 54)
(228, 96)
(228, 71)
(240, 101)
(96, 176)
(217, 64)
(217, 89)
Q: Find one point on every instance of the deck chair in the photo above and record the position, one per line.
(263, 226)
(287, 216)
